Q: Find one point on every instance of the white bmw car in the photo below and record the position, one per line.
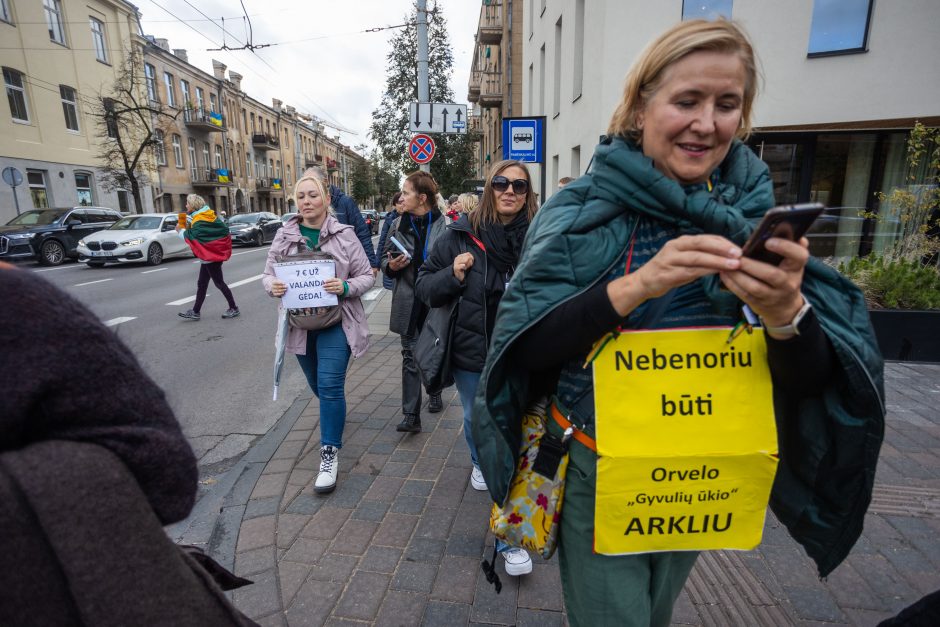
(149, 237)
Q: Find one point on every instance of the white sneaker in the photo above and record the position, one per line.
(518, 562)
(477, 482)
(329, 465)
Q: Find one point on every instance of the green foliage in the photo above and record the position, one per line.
(895, 283)
(453, 160)
(362, 186)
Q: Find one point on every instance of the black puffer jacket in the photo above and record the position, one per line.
(437, 287)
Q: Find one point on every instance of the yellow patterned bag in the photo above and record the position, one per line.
(532, 514)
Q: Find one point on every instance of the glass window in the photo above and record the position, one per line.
(192, 158)
(248, 165)
(37, 188)
(83, 188)
(123, 203)
(69, 107)
(150, 76)
(214, 103)
(97, 38)
(706, 9)
(200, 98)
(289, 180)
(178, 150)
(53, 10)
(170, 89)
(205, 156)
(159, 150)
(5, 12)
(16, 94)
(839, 27)
(218, 156)
(187, 96)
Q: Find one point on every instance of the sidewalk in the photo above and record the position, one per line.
(400, 540)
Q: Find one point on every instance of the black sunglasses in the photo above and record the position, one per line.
(501, 184)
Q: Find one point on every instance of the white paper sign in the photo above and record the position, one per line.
(304, 281)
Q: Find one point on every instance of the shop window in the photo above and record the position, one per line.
(83, 189)
(839, 27)
(37, 188)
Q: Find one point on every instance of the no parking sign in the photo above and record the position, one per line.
(421, 148)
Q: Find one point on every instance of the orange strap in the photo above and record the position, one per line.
(577, 434)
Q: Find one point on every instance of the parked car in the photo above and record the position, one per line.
(287, 216)
(372, 220)
(149, 238)
(52, 235)
(253, 228)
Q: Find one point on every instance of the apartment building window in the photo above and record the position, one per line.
(200, 98)
(290, 181)
(577, 77)
(97, 38)
(248, 165)
(187, 96)
(150, 78)
(37, 188)
(706, 9)
(205, 156)
(69, 107)
(83, 189)
(271, 169)
(123, 202)
(839, 27)
(170, 89)
(192, 156)
(218, 156)
(5, 12)
(277, 170)
(244, 120)
(16, 94)
(159, 150)
(556, 87)
(252, 122)
(53, 10)
(542, 80)
(178, 150)
(576, 162)
(214, 103)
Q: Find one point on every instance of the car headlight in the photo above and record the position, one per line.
(133, 242)
(20, 235)
(81, 242)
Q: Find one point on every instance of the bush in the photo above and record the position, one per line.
(895, 284)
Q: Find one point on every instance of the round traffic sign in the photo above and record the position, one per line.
(12, 176)
(421, 148)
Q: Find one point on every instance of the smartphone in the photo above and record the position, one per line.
(789, 221)
(400, 247)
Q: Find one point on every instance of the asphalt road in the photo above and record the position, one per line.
(217, 373)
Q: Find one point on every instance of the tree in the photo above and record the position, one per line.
(453, 161)
(128, 122)
(362, 186)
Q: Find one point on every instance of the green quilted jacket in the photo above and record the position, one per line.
(828, 443)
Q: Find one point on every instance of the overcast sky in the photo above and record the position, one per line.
(337, 74)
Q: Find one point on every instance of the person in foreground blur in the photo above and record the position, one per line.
(324, 353)
(209, 239)
(474, 261)
(89, 474)
(672, 195)
(420, 224)
(564, 181)
(387, 223)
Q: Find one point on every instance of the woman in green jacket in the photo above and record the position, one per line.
(651, 238)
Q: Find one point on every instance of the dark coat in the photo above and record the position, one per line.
(347, 212)
(437, 287)
(390, 218)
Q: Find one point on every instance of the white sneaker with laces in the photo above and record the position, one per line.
(329, 466)
(477, 482)
(518, 562)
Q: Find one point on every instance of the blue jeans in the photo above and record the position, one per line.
(324, 365)
(466, 383)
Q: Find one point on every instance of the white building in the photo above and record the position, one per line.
(844, 80)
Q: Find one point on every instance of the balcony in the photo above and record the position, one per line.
(263, 141)
(210, 178)
(331, 165)
(311, 160)
(491, 89)
(266, 186)
(491, 24)
(202, 120)
(475, 125)
(473, 90)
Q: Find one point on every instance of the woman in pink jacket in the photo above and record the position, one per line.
(324, 354)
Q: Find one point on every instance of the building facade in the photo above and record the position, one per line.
(58, 57)
(843, 83)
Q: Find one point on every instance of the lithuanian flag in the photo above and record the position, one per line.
(208, 236)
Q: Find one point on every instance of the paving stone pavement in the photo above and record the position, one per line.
(400, 540)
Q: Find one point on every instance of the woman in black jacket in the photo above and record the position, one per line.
(474, 261)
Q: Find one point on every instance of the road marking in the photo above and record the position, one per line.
(92, 282)
(116, 321)
(190, 299)
(56, 268)
(373, 293)
(157, 270)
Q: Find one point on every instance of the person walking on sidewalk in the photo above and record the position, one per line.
(387, 223)
(474, 261)
(209, 238)
(419, 226)
(324, 354)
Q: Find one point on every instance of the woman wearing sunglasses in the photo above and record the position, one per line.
(474, 261)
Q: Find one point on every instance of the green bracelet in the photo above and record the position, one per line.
(345, 289)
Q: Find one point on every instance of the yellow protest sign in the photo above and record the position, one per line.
(686, 441)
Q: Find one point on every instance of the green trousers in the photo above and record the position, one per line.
(600, 590)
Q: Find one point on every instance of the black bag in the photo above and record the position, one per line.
(432, 350)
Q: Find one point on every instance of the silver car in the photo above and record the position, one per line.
(149, 238)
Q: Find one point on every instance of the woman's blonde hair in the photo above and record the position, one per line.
(487, 213)
(467, 202)
(647, 73)
(323, 189)
(195, 201)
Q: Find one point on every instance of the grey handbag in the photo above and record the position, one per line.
(312, 318)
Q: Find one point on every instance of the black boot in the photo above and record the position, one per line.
(411, 424)
(434, 403)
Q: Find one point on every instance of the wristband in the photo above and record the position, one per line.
(345, 289)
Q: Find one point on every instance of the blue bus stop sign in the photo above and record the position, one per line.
(524, 139)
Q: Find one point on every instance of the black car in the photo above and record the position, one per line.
(51, 235)
(253, 228)
(372, 220)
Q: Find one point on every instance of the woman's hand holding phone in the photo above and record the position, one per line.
(398, 262)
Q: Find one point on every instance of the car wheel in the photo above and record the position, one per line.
(154, 254)
(95, 264)
(52, 253)
(259, 239)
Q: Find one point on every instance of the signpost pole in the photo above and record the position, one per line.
(423, 90)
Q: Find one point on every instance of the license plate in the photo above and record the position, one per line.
(97, 253)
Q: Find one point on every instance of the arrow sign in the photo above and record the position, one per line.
(419, 117)
(444, 113)
(421, 148)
